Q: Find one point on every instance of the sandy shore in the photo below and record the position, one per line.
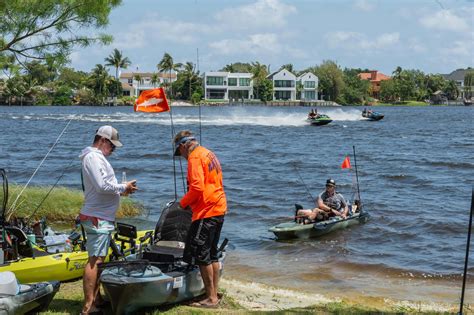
(256, 296)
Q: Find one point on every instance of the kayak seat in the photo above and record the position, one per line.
(163, 254)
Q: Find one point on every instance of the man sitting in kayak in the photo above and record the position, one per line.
(329, 204)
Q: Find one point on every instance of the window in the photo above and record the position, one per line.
(216, 94)
(310, 84)
(215, 81)
(284, 83)
(130, 81)
(309, 95)
(244, 81)
(282, 95)
(232, 81)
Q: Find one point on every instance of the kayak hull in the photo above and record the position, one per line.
(31, 299)
(291, 230)
(129, 293)
(47, 267)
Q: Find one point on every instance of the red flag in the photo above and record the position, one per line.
(152, 101)
(346, 163)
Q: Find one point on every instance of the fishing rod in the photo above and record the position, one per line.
(466, 261)
(357, 176)
(49, 192)
(41, 163)
(174, 159)
(307, 189)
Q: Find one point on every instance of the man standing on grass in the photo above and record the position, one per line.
(101, 202)
(207, 200)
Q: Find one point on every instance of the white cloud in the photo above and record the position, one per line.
(262, 45)
(356, 40)
(458, 48)
(445, 20)
(254, 44)
(154, 31)
(261, 14)
(415, 45)
(364, 5)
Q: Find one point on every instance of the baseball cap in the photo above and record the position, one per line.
(182, 137)
(331, 182)
(110, 133)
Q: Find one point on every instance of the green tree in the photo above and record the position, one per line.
(118, 61)
(288, 67)
(259, 75)
(72, 78)
(388, 91)
(355, 90)
(98, 81)
(167, 65)
(468, 83)
(238, 67)
(331, 79)
(188, 82)
(155, 79)
(43, 29)
(451, 90)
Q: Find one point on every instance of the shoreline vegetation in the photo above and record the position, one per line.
(62, 205)
(241, 297)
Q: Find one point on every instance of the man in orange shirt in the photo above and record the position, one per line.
(207, 200)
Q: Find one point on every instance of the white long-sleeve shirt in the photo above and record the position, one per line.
(101, 189)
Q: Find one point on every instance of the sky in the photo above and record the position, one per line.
(434, 36)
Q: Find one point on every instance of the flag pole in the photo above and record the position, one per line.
(172, 152)
(357, 175)
(466, 261)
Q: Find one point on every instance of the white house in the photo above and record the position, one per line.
(309, 86)
(284, 85)
(133, 83)
(228, 86)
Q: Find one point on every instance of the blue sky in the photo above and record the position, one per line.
(435, 36)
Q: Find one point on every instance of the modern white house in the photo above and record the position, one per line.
(284, 85)
(458, 77)
(228, 86)
(133, 83)
(309, 86)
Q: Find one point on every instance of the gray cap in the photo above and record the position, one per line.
(110, 133)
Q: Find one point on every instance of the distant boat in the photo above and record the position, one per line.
(319, 120)
(467, 102)
(371, 115)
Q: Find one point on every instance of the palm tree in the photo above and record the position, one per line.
(117, 61)
(154, 79)
(98, 81)
(138, 78)
(167, 65)
(259, 74)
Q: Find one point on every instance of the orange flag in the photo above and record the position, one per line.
(152, 101)
(346, 163)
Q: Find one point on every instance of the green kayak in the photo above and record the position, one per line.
(289, 230)
(319, 120)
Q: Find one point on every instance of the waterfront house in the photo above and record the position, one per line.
(458, 77)
(228, 86)
(284, 85)
(308, 83)
(133, 83)
(375, 79)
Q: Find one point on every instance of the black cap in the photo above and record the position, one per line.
(331, 182)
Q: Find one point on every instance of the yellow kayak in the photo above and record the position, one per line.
(47, 267)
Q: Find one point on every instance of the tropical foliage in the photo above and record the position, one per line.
(43, 30)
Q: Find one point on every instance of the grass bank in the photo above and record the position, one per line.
(406, 103)
(245, 298)
(62, 204)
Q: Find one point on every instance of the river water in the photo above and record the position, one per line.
(415, 172)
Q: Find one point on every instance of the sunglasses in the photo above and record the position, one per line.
(111, 144)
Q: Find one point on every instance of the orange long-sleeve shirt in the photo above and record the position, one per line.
(205, 195)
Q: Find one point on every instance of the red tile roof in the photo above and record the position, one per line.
(373, 76)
